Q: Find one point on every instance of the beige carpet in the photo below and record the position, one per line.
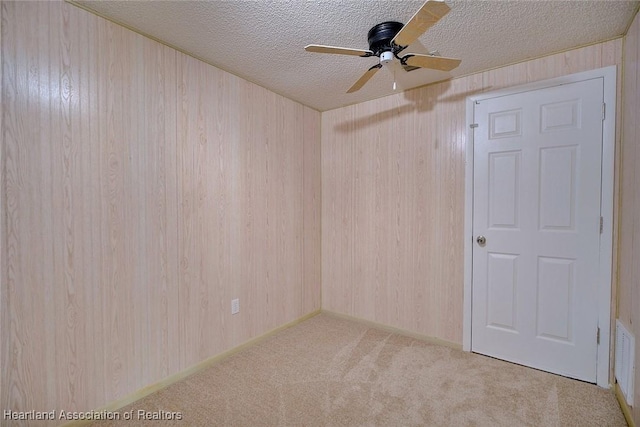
(334, 372)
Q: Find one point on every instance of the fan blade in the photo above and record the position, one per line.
(424, 18)
(365, 78)
(318, 48)
(430, 61)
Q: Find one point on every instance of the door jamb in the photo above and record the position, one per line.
(608, 74)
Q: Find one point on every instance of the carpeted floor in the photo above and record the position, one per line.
(328, 371)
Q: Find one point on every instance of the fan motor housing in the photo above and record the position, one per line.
(380, 36)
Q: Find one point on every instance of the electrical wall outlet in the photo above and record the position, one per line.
(235, 306)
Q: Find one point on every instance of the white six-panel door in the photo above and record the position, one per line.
(536, 207)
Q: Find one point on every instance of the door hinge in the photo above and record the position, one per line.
(598, 336)
(604, 110)
(473, 125)
(601, 225)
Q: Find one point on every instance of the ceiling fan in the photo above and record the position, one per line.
(388, 39)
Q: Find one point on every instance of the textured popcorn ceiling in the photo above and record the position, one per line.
(263, 41)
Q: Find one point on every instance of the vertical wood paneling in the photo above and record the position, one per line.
(203, 208)
(393, 196)
(67, 210)
(632, 114)
(23, 362)
(117, 280)
(3, 226)
(97, 218)
(142, 190)
(312, 193)
(629, 246)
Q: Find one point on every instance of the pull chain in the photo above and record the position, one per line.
(394, 78)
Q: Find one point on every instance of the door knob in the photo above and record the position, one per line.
(481, 240)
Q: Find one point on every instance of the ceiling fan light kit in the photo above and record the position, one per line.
(386, 57)
(388, 39)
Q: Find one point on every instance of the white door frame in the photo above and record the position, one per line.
(606, 206)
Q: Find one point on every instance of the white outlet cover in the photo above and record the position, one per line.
(235, 306)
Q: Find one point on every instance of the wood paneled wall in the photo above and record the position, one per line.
(142, 190)
(393, 196)
(629, 248)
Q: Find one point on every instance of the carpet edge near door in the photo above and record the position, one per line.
(395, 330)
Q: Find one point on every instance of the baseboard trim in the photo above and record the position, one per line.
(626, 410)
(393, 329)
(152, 388)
